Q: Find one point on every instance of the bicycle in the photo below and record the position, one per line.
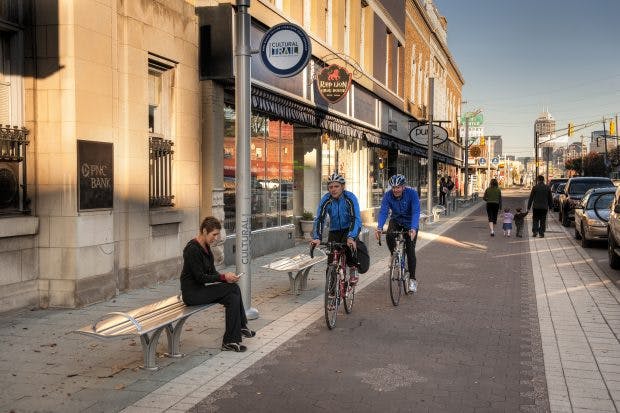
(337, 285)
(398, 276)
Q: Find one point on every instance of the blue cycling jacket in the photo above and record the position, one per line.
(405, 210)
(344, 213)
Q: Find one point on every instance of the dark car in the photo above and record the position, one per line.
(573, 192)
(592, 215)
(554, 183)
(555, 195)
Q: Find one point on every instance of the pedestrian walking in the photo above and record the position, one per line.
(507, 218)
(443, 191)
(201, 283)
(540, 202)
(493, 198)
(520, 221)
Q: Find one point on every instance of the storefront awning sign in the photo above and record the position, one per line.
(333, 83)
(419, 135)
(285, 49)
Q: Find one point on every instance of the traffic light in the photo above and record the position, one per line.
(612, 127)
(482, 143)
(571, 129)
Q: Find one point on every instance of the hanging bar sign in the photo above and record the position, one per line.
(333, 83)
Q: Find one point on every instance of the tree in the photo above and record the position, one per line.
(574, 164)
(594, 165)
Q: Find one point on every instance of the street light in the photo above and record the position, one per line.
(467, 117)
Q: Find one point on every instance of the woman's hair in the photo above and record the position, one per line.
(209, 224)
(494, 182)
(506, 209)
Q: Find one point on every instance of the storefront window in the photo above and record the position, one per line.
(271, 170)
(377, 175)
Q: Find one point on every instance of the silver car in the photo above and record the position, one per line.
(592, 215)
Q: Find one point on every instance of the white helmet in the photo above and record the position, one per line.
(397, 180)
(336, 177)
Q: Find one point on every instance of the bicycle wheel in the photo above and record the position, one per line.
(349, 297)
(332, 294)
(395, 279)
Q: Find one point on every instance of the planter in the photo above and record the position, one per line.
(306, 228)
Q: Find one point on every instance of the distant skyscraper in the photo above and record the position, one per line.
(545, 126)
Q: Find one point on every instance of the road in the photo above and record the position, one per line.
(467, 341)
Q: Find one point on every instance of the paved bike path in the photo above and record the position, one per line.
(467, 341)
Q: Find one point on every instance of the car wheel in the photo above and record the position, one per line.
(564, 219)
(577, 234)
(585, 243)
(614, 259)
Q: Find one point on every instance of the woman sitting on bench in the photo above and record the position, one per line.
(201, 283)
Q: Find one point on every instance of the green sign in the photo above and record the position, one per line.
(476, 120)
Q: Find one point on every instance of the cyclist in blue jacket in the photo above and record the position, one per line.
(404, 203)
(345, 221)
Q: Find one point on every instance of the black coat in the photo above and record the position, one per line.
(540, 197)
(198, 269)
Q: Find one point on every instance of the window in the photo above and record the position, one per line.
(13, 137)
(271, 170)
(160, 89)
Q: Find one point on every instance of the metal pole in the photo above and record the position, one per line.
(536, 155)
(243, 204)
(605, 140)
(466, 155)
(489, 161)
(429, 155)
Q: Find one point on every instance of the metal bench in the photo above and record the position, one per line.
(148, 322)
(297, 268)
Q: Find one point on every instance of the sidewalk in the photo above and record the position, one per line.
(579, 316)
(45, 367)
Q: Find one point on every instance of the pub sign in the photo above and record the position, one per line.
(95, 162)
(333, 83)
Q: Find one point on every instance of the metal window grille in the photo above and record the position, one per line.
(160, 171)
(13, 188)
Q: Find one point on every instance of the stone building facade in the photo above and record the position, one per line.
(115, 95)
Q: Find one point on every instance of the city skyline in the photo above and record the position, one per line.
(520, 59)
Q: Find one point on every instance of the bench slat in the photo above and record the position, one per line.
(150, 318)
(296, 263)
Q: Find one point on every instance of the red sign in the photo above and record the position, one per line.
(333, 83)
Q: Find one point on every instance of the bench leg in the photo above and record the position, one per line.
(303, 282)
(174, 338)
(294, 280)
(149, 347)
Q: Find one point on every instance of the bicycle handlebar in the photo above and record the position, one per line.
(400, 232)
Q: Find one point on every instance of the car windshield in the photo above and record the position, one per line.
(580, 188)
(602, 201)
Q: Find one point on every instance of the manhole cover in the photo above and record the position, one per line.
(391, 378)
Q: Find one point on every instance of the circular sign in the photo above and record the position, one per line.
(495, 161)
(285, 49)
(482, 161)
(419, 135)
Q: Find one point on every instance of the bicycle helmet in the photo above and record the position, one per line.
(335, 177)
(397, 180)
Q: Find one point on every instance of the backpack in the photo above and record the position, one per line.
(362, 256)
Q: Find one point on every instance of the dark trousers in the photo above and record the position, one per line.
(492, 209)
(409, 244)
(519, 226)
(341, 236)
(442, 197)
(539, 221)
(229, 295)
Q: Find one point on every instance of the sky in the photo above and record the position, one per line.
(519, 58)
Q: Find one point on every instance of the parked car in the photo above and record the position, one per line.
(573, 192)
(555, 195)
(592, 215)
(553, 185)
(613, 232)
